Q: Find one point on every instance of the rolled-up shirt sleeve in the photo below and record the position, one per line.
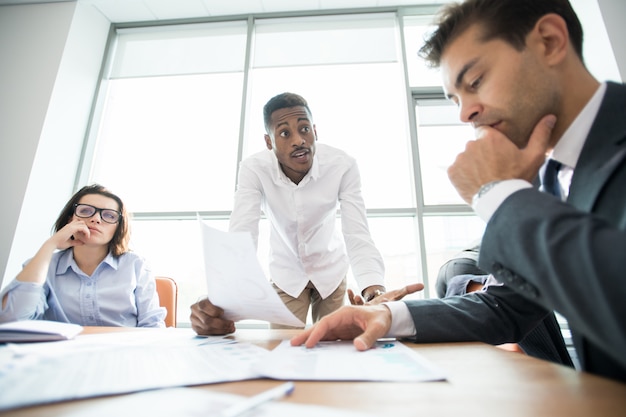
(24, 301)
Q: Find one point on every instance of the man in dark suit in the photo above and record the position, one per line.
(516, 72)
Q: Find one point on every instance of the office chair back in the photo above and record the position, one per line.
(168, 297)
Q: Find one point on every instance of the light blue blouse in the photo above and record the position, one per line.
(120, 292)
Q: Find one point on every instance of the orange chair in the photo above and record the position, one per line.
(168, 297)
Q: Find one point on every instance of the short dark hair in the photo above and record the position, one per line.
(509, 20)
(281, 101)
(120, 241)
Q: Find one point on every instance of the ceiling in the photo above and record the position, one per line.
(120, 11)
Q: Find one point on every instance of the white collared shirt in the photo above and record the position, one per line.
(306, 243)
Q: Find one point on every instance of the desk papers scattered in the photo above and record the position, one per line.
(146, 359)
(236, 281)
(37, 331)
(389, 361)
(81, 368)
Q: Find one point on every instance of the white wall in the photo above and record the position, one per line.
(596, 42)
(51, 57)
(613, 13)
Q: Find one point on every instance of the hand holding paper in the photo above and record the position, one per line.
(236, 282)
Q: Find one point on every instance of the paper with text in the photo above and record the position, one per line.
(236, 282)
(340, 361)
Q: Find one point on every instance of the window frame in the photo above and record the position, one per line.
(419, 212)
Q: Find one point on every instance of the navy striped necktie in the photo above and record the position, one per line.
(550, 180)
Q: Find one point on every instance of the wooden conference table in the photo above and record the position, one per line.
(482, 381)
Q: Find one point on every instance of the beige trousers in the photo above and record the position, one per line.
(320, 307)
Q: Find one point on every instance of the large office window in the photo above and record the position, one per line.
(181, 105)
(171, 109)
(448, 225)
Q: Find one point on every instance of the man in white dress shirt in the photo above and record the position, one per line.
(299, 185)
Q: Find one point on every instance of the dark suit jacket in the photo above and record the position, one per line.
(571, 257)
(544, 342)
(554, 256)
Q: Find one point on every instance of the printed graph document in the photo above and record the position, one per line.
(81, 368)
(236, 282)
(37, 331)
(340, 361)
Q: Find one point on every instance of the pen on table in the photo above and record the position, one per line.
(253, 402)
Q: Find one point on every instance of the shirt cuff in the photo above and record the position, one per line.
(401, 320)
(488, 203)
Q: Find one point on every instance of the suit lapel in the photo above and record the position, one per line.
(603, 151)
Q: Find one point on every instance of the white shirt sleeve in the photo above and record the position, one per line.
(366, 260)
(24, 301)
(247, 208)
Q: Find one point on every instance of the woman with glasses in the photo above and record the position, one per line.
(85, 273)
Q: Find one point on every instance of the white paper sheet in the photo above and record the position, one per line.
(340, 361)
(81, 368)
(164, 337)
(236, 282)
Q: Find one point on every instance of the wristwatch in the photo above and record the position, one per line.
(375, 294)
(483, 190)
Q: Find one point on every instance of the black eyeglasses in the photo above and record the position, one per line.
(86, 211)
